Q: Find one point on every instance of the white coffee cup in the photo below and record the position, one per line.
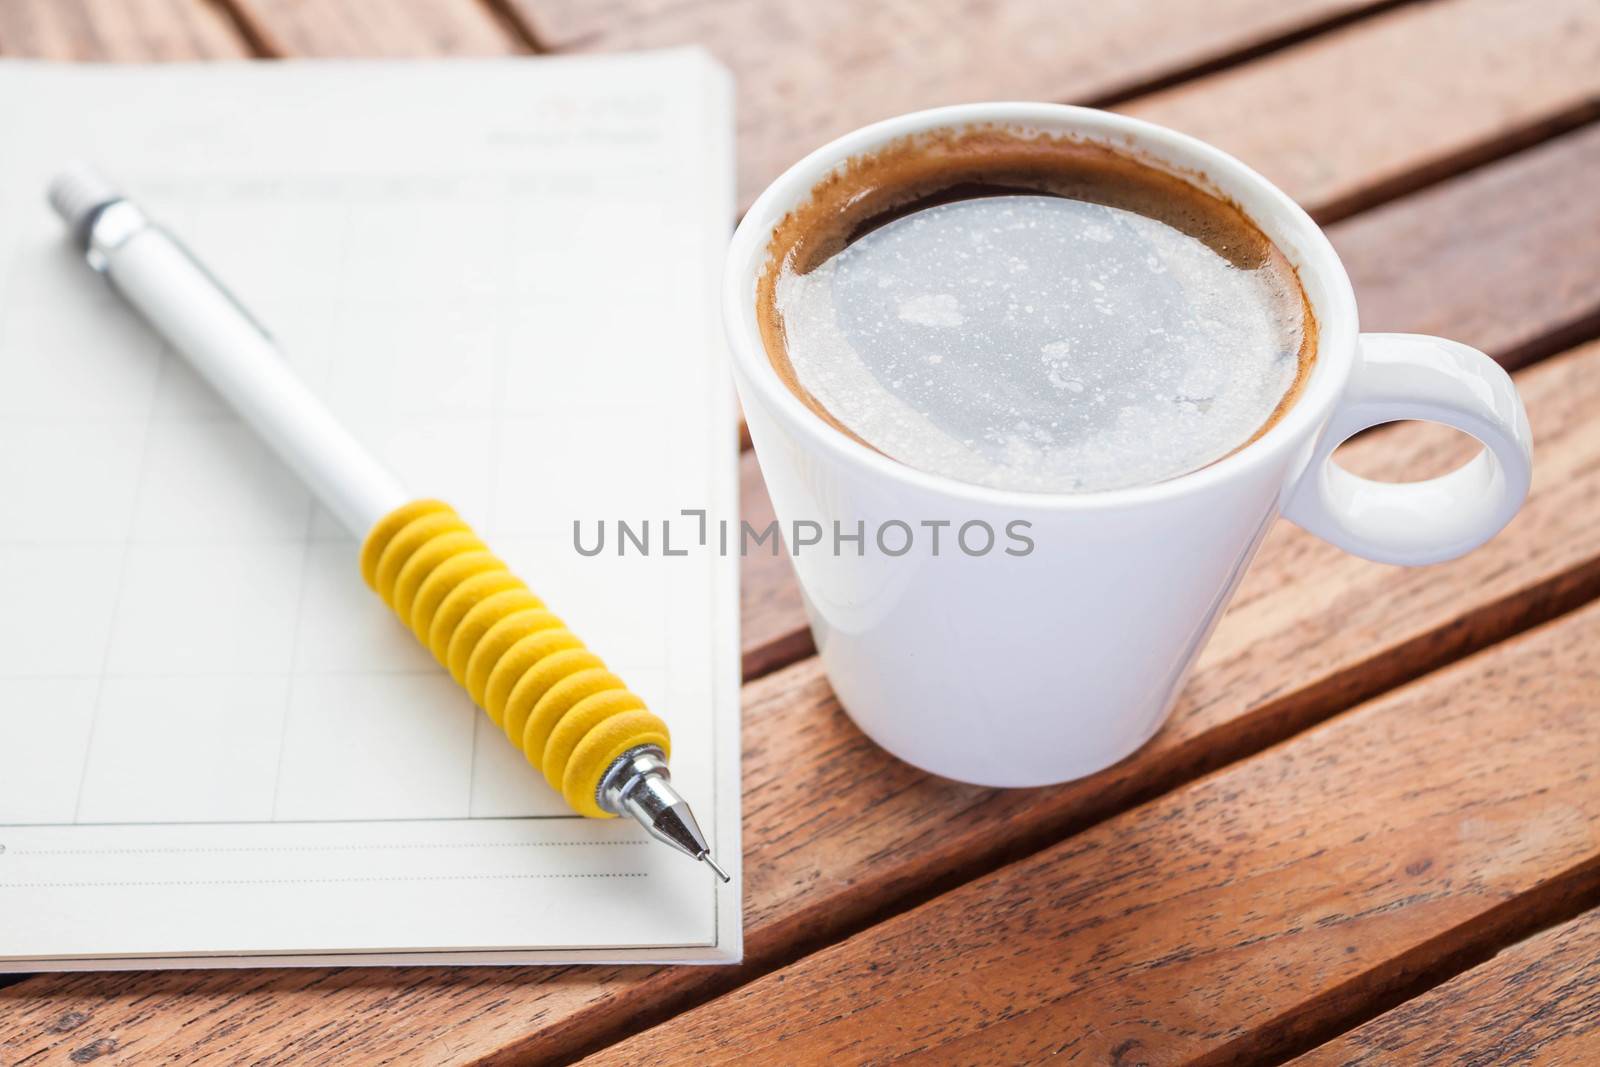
(1025, 670)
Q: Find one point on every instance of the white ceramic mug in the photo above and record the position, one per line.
(1024, 670)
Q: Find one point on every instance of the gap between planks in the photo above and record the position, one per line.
(257, 44)
(1538, 1000)
(515, 25)
(1524, 919)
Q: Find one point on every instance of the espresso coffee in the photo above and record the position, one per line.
(1033, 313)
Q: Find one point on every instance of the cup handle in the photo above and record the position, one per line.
(1402, 376)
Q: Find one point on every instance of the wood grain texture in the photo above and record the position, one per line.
(1230, 918)
(836, 830)
(126, 30)
(1466, 259)
(1503, 257)
(390, 28)
(791, 58)
(1475, 73)
(1536, 1002)
(1358, 115)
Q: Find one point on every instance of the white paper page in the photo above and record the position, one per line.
(216, 744)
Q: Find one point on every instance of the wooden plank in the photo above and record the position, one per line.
(1470, 78)
(1230, 919)
(835, 830)
(125, 30)
(1536, 1002)
(1474, 74)
(1501, 258)
(390, 28)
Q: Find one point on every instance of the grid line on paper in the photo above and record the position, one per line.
(182, 883)
(300, 597)
(294, 663)
(379, 847)
(292, 822)
(166, 360)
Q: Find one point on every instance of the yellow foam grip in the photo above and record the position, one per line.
(554, 698)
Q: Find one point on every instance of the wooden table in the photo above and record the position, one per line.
(1371, 832)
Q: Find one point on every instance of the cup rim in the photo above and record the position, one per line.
(1189, 158)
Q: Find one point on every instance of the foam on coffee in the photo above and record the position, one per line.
(1033, 313)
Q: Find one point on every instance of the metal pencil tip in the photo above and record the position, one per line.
(640, 785)
(709, 862)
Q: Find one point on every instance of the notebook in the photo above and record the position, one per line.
(217, 747)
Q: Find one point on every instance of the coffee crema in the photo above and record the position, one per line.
(1032, 312)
